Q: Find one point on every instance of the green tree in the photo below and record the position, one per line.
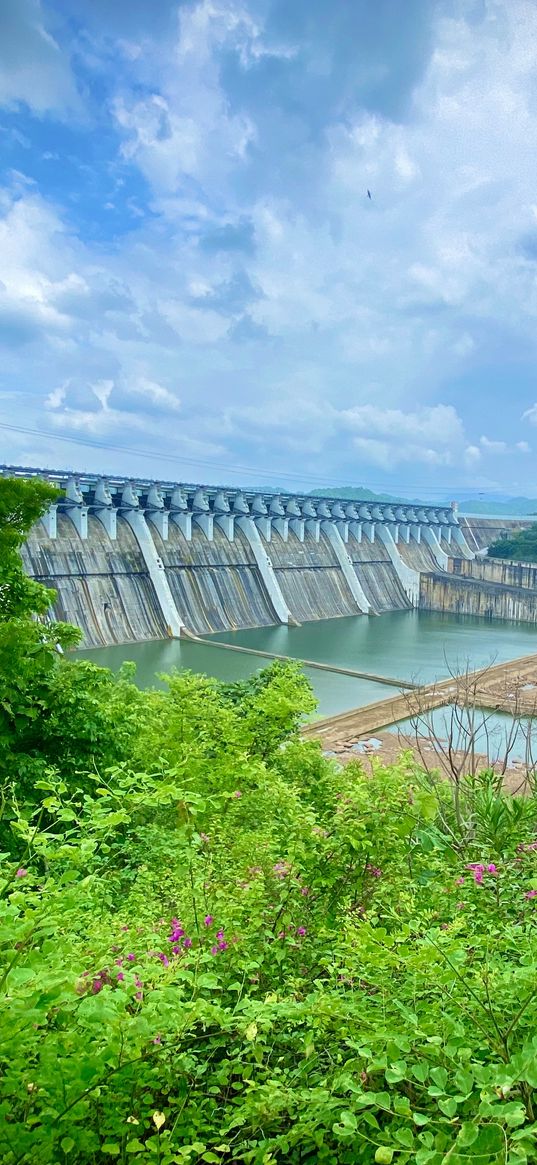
(28, 647)
(22, 503)
(521, 547)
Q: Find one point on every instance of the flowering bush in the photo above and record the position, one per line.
(217, 946)
(315, 970)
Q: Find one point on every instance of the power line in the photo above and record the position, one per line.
(330, 482)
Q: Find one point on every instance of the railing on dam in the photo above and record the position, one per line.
(133, 558)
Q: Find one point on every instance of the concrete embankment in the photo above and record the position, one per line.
(481, 595)
(508, 687)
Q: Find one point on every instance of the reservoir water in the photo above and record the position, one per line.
(407, 645)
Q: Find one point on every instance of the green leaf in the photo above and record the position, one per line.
(440, 1077)
(469, 1133)
(448, 1106)
(405, 1137)
(113, 1148)
(67, 1144)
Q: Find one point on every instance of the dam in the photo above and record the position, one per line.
(133, 560)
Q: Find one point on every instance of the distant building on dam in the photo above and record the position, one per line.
(132, 560)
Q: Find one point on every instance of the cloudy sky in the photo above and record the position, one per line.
(193, 282)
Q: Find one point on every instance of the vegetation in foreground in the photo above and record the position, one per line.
(217, 946)
(520, 547)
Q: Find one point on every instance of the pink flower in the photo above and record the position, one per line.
(139, 995)
(120, 977)
(220, 933)
(301, 930)
(214, 950)
(478, 870)
(491, 868)
(204, 838)
(222, 946)
(131, 958)
(530, 894)
(124, 928)
(177, 931)
(374, 871)
(21, 872)
(237, 793)
(96, 986)
(157, 1040)
(164, 959)
(305, 890)
(459, 881)
(119, 962)
(208, 920)
(187, 943)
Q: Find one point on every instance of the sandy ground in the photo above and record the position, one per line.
(386, 747)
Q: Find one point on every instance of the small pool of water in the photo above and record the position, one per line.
(496, 734)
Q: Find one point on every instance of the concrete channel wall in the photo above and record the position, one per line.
(497, 570)
(477, 596)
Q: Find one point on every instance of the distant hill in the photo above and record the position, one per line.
(505, 507)
(352, 493)
(511, 507)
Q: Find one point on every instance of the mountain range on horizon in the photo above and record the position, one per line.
(500, 505)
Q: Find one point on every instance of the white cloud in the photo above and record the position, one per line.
(343, 323)
(186, 129)
(472, 456)
(493, 446)
(388, 455)
(154, 392)
(530, 415)
(33, 69)
(440, 423)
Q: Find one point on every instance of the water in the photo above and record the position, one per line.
(495, 734)
(415, 645)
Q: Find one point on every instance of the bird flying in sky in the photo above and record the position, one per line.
(369, 194)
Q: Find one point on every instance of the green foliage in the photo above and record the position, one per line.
(21, 504)
(218, 946)
(520, 547)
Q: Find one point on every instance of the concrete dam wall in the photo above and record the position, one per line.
(478, 596)
(497, 570)
(102, 586)
(133, 560)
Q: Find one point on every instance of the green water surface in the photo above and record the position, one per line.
(414, 645)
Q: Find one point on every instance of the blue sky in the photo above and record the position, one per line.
(191, 268)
